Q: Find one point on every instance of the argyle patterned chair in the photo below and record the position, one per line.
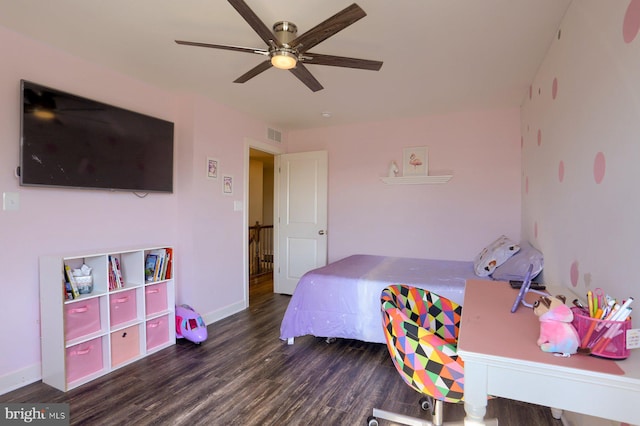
(421, 330)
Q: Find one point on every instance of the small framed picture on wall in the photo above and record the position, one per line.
(415, 161)
(212, 168)
(227, 184)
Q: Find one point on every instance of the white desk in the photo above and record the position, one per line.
(502, 359)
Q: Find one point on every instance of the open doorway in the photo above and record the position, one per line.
(260, 220)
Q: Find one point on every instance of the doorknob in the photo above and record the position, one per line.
(321, 232)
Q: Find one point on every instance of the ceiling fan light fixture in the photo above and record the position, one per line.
(284, 60)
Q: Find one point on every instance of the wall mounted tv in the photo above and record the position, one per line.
(74, 142)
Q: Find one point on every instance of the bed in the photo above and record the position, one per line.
(342, 299)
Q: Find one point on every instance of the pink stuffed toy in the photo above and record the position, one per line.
(557, 334)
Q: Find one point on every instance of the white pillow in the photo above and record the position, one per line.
(515, 268)
(494, 255)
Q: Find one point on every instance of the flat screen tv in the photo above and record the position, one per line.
(73, 142)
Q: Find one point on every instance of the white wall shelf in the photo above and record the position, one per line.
(416, 180)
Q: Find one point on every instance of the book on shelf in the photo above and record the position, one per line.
(157, 276)
(150, 267)
(112, 278)
(113, 268)
(66, 290)
(160, 264)
(115, 274)
(118, 272)
(72, 282)
(169, 264)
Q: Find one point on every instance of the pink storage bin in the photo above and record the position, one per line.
(125, 345)
(606, 339)
(81, 318)
(156, 298)
(84, 359)
(157, 332)
(122, 307)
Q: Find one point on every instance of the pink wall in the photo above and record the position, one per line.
(445, 221)
(196, 219)
(580, 127)
(210, 230)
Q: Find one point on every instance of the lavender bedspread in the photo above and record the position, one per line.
(342, 299)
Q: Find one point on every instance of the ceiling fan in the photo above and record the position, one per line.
(287, 50)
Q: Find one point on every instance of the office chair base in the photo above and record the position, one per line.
(405, 420)
(436, 412)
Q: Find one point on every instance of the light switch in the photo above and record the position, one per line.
(10, 201)
(237, 206)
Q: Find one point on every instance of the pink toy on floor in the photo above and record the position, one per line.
(189, 324)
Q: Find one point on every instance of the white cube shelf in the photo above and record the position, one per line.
(89, 336)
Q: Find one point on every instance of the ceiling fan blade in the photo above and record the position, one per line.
(221, 46)
(256, 23)
(340, 61)
(329, 27)
(305, 76)
(261, 67)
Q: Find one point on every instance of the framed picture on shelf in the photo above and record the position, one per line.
(212, 168)
(415, 161)
(227, 184)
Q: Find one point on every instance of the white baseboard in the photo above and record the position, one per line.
(20, 378)
(211, 317)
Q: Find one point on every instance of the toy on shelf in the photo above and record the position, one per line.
(189, 324)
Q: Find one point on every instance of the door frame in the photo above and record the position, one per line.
(274, 150)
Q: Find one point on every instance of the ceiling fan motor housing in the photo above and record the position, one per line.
(285, 31)
(283, 56)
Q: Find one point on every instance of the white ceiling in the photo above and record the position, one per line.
(439, 55)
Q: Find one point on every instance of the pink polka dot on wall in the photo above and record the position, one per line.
(535, 230)
(526, 185)
(530, 91)
(599, 166)
(631, 23)
(561, 171)
(554, 88)
(539, 137)
(574, 273)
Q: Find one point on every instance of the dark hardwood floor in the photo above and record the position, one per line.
(245, 375)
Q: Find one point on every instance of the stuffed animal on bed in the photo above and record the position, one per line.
(557, 334)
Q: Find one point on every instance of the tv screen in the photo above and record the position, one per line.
(71, 141)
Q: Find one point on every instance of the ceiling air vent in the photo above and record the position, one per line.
(274, 135)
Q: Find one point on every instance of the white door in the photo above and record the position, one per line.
(302, 217)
